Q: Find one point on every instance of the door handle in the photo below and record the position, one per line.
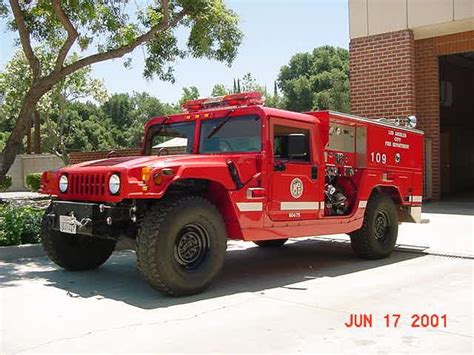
(314, 172)
(279, 167)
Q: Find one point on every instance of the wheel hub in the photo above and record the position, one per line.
(191, 246)
(381, 225)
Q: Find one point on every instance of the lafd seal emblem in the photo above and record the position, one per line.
(296, 188)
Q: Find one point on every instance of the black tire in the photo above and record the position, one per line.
(378, 235)
(181, 245)
(274, 243)
(75, 252)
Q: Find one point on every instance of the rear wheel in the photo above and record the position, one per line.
(75, 252)
(274, 243)
(181, 245)
(378, 235)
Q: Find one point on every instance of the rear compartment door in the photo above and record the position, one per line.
(293, 177)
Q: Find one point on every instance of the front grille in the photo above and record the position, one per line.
(87, 184)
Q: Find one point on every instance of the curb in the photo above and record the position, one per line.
(36, 250)
(21, 251)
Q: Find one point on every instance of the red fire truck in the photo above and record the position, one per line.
(245, 172)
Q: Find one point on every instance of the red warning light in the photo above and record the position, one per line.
(241, 99)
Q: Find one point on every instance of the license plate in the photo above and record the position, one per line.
(67, 224)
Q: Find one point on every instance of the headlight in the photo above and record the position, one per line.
(63, 183)
(114, 184)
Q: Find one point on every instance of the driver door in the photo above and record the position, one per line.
(293, 178)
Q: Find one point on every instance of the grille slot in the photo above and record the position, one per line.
(86, 184)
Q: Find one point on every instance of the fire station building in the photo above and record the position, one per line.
(417, 57)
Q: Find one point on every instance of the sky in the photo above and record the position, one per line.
(274, 30)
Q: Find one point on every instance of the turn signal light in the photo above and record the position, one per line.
(157, 178)
(146, 173)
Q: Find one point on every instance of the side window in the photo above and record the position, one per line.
(291, 143)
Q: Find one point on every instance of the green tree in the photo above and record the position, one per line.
(189, 93)
(317, 80)
(249, 83)
(105, 30)
(118, 108)
(87, 128)
(145, 107)
(15, 81)
(275, 99)
(219, 90)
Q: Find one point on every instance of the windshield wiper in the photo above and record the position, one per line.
(220, 125)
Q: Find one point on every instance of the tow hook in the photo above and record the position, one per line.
(82, 223)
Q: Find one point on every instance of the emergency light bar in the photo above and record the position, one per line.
(241, 99)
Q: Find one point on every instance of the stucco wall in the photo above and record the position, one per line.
(31, 163)
(427, 18)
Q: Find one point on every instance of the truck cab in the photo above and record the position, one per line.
(243, 171)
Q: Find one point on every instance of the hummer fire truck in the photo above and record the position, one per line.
(246, 172)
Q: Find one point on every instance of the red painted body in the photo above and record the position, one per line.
(272, 212)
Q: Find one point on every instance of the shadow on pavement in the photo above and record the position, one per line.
(245, 270)
(450, 207)
(462, 203)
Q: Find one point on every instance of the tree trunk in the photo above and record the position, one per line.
(37, 132)
(28, 142)
(23, 122)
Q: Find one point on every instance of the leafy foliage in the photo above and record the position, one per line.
(15, 81)
(219, 90)
(249, 83)
(5, 183)
(19, 225)
(33, 181)
(109, 25)
(317, 80)
(189, 93)
(105, 30)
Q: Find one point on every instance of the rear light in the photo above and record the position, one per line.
(256, 193)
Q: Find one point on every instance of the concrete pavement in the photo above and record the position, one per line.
(293, 299)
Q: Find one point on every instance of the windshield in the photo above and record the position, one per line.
(175, 138)
(238, 134)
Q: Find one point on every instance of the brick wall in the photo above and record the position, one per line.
(382, 75)
(79, 157)
(393, 75)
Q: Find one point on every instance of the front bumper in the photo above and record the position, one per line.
(94, 219)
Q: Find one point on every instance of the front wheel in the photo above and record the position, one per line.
(378, 235)
(75, 252)
(181, 245)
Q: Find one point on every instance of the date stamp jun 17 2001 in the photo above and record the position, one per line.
(394, 320)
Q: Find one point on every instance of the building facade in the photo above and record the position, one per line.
(417, 57)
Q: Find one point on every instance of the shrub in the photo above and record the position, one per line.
(33, 181)
(19, 225)
(5, 183)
